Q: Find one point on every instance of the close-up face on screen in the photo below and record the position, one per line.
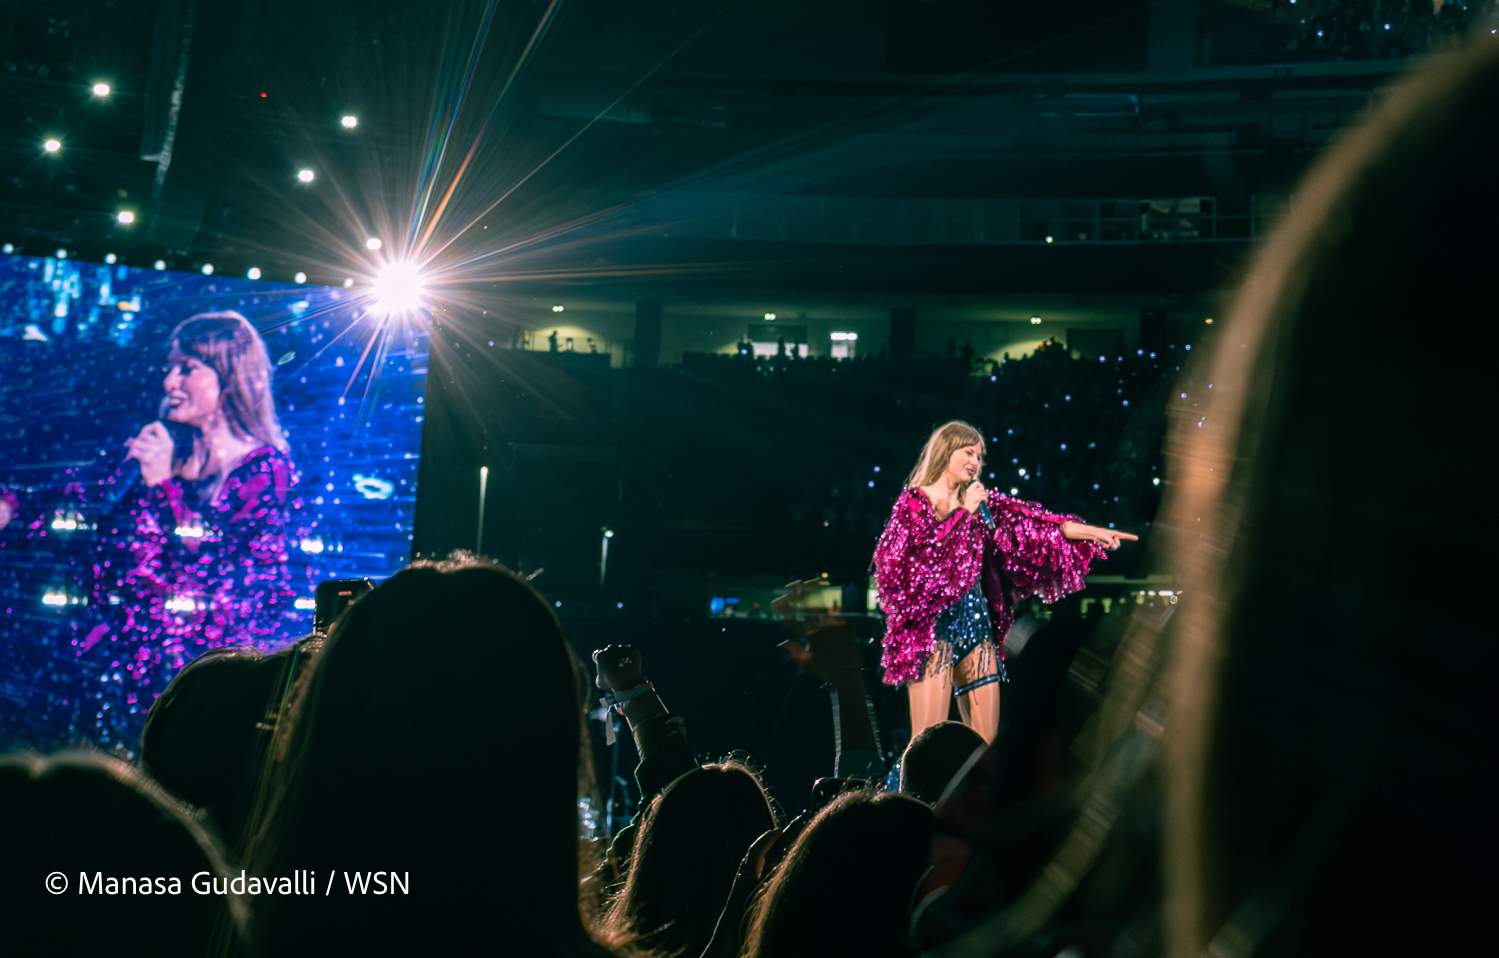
(183, 459)
(747, 478)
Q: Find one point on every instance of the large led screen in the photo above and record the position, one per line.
(183, 457)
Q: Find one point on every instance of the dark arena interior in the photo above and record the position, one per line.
(967, 470)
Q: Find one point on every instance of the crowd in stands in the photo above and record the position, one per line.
(1077, 431)
(1291, 765)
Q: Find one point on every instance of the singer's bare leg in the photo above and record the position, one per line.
(930, 699)
(979, 708)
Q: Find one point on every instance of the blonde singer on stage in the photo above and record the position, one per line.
(951, 565)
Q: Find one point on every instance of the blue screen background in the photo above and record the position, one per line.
(82, 353)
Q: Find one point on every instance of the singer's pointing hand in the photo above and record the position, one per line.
(153, 448)
(1108, 538)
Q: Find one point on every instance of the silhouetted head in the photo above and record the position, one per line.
(438, 739)
(1332, 765)
(99, 860)
(845, 888)
(206, 734)
(937, 754)
(691, 840)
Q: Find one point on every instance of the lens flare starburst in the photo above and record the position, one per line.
(410, 228)
(397, 289)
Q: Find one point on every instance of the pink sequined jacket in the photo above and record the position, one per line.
(185, 575)
(924, 564)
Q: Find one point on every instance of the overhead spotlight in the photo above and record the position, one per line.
(372, 243)
(159, 264)
(349, 121)
(8, 248)
(306, 176)
(1035, 320)
(253, 273)
(125, 216)
(770, 316)
(110, 258)
(1048, 239)
(398, 288)
(348, 282)
(1208, 321)
(207, 269)
(61, 254)
(300, 278)
(52, 146)
(101, 89)
(558, 308)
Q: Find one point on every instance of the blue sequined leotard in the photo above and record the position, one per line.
(965, 626)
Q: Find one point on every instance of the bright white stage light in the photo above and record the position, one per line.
(207, 269)
(125, 216)
(348, 282)
(111, 258)
(372, 243)
(101, 89)
(52, 146)
(350, 122)
(254, 272)
(558, 308)
(300, 278)
(305, 176)
(61, 254)
(398, 288)
(159, 264)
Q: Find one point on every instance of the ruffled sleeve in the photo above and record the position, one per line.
(1037, 559)
(921, 566)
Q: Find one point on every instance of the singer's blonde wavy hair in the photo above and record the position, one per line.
(940, 445)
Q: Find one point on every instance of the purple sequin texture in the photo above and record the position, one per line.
(182, 574)
(923, 564)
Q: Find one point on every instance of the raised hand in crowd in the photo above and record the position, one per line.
(660, 737)
(831, 652)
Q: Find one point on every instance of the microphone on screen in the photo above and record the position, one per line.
(118, 484)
